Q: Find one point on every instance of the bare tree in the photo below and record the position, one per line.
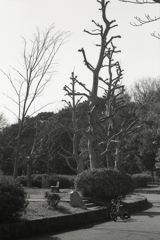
(107, 75)
(106, 41)
(142, 89)
(114, 124)
(78, 157)
(36, 74)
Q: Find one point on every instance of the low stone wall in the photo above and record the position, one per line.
(148, 191)
(42, 226)
(52, 225)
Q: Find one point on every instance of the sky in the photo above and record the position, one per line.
(139, 55)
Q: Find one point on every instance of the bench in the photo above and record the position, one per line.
(55, 188)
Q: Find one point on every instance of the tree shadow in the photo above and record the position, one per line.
(49, 236)
(150, 214)
(53, 238)
(151, 186)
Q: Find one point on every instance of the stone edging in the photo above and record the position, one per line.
(62, 223)
(147, 191)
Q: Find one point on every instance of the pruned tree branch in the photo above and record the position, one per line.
(89, 66)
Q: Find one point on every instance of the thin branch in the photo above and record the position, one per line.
(67, 160)
(142, 22)
(79, 94)
(156, 35)
(137, 1)
(11, 111)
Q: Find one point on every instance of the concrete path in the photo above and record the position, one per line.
(143, 225)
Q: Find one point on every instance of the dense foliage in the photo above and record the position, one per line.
(104, 183)
(138, 149)
(12, 199)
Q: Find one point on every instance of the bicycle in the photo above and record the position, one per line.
(118, 210)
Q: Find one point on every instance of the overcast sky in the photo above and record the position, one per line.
(140, 56)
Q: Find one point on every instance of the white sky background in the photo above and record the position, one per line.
(140, 56)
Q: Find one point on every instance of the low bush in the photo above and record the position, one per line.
(66, 181)
(52, 199)
(104, 183)
(13, 199)
(141, 179)
(22, 180)
(37, 180)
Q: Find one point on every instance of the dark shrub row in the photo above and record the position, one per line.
(104, 183)
(66, 181)
(141, 179)
(13, 200)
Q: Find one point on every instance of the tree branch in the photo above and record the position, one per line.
(89, 66)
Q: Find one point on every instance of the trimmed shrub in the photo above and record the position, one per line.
(13, 199)
(22, 180)
(37, 180)
(65, 181)
(104, 183)
(141, 179)
(52, 199)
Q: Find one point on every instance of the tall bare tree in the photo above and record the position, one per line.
(78, 157)
(38, 68)
(103, 31)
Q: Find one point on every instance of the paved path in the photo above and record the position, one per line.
(143, 225)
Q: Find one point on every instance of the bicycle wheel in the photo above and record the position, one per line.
(124, 215)
(113, 216)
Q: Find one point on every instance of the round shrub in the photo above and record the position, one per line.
(104, 183)
(52, 199)
(13, 201)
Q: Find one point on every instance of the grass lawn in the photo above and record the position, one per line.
(40, 209)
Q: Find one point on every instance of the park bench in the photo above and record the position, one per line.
(55, 188)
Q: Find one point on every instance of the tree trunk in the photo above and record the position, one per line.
(47, 178)
(108, 160)
(93, 138)
(116, 166)
(16, 163)
(80, 167)
(152, 173)
(29, 172)
(78, 158)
